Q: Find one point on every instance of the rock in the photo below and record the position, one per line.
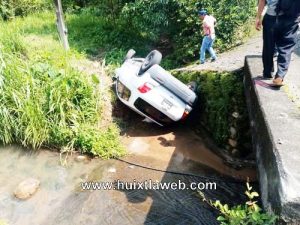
(27, 188)
(232, 143)
(131, 167)
(81, 158)
(236, 115)
(112, 170)
(233, 132)
(235, 152)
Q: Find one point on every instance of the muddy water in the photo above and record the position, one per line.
(61, 200)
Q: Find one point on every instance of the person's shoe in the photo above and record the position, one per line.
(278, 82)
(213, 60)
(202, 62)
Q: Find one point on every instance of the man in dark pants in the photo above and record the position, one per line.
(285, 39)
(269, 21)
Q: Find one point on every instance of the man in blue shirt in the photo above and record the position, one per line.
(268, 23)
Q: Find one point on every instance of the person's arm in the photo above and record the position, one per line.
(258, 21)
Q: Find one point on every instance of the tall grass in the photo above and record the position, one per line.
(43, 100)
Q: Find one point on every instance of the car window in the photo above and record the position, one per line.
(152, 112)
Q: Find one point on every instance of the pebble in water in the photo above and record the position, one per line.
(232, 143)
(236, 115)
(27, 188)
(112, 170)
(81, 158)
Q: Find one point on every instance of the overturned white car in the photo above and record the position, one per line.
(151, 91)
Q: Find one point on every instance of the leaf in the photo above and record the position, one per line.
(95, 79)
(221, 218)
(254, 194)
(248, 194)
(226, 209)
(256, 216)
(249, 188)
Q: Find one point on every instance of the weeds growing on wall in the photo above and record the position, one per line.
(249, 213)
(221, 95)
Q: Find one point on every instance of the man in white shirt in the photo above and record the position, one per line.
(209, 36)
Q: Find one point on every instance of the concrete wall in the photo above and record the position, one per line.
(275, 123)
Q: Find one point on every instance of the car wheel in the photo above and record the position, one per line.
(129, 54)
(152, 58)
(192, 85)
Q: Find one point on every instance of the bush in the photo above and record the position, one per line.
(232, 22)
(12, 8)
(171, 26)
(178, 22)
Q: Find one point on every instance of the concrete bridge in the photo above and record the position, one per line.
(275, 122)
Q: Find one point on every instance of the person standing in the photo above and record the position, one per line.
(209, 23)
(268, 22)
(286, 36)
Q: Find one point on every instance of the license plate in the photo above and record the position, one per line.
(166, 104)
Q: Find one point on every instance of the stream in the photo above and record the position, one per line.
(60, 199)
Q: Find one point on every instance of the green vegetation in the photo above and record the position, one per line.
(249, 213)
(171, 26)
(101, 27)
(11, 8)
(44, 100)
(220, 96)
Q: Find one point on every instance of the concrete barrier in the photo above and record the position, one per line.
(275, 123)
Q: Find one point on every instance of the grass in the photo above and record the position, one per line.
(44, 101)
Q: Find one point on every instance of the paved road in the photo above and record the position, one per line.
(231, 60)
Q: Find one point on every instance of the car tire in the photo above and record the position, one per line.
(152, 58)
(129, 54)
(193, 86)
